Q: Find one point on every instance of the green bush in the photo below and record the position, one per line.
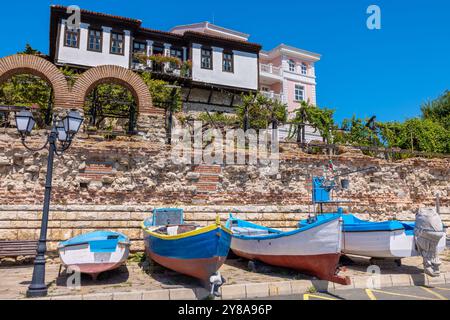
(261, 111)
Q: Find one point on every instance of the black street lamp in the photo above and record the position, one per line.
(63, 131)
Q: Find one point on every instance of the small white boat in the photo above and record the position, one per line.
(314, 248)
(387, 239)
(94, 253)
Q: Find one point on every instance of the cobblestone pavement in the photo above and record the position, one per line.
(14, 280)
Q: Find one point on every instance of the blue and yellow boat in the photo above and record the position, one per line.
(189, 249)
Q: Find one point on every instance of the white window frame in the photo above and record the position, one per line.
(291, 65)
(299, 89)
(304, 68)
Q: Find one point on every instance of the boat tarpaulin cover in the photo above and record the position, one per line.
(99, 241)
(354, 224)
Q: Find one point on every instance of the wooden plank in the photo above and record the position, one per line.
(18, 248)
(13, 242)
(31, 254)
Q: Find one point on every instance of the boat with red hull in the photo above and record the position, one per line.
(192, 250)
(314, 249)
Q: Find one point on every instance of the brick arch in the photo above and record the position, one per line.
(29, 64)
(112, 74)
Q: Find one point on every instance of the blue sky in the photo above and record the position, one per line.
(387, 72)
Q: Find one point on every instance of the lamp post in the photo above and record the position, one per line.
(63, 131)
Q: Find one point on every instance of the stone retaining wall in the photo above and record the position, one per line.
(103, 184)
(23, 222)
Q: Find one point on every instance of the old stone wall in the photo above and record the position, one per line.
(114, 184)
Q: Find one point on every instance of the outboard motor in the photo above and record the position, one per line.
(428, 231)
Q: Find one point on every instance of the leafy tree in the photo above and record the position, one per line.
(29, 50)
(438, 110)
(320, 118)
(161, 94)
(261, 111)
(109, 101)
(356, 131)
(219, 118)
(28, 90)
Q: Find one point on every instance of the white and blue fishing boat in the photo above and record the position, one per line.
(95, 252)
(386, 239)
(314, 249)
(390, 239)
(189, 249)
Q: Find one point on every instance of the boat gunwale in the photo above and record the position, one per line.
(280, 233)
(186, 234)
(122, 239)
(124, 243)
(377, 226)
(365, 231)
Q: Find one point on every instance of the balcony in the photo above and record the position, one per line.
(178, 69)
(269, 68)
(270, 74)
(274, 96)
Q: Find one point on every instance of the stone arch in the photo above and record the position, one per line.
(30, 64)
(117, 75)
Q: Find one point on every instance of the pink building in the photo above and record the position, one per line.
(288, 74)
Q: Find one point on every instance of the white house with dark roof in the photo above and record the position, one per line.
(225, 63)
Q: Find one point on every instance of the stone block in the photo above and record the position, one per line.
(9, 234)
(98, 296)
(182, 294)
(66, 298)
(400, 280)
(156, 295)
(281, 288)
(235, 291)
(27, 234)
(118, 224)
(301, 286)
(257, 290)
(127, 295)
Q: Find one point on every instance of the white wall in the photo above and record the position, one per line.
(245, 73)
(81, 56)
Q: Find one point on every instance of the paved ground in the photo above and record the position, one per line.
(438, 292)
(132, 277)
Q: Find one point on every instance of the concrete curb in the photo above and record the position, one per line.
(267, 289)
